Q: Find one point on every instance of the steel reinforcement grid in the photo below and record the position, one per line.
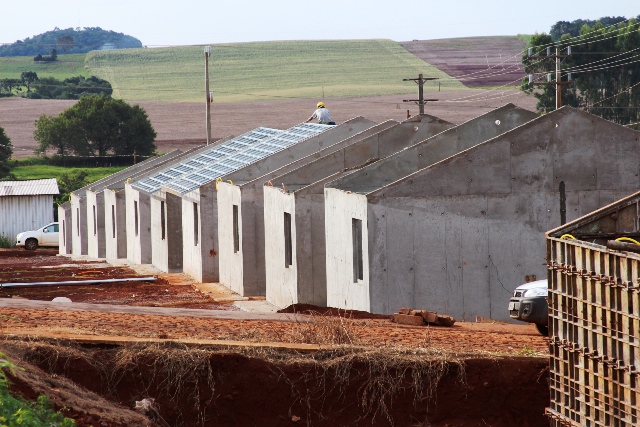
(594, 335)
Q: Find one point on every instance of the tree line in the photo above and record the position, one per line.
(603, 65)
(52, 88)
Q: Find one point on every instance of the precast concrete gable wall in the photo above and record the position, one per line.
(457, 237)
(200, 256)
(231, 271)
(96, 246)
(138, 241)
(343, 290)
(65, 222)
(166, 249)
(279, 272)
(79, 224)
(115, 224)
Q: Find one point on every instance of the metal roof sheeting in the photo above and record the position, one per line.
(34, 187)
(250, 154)
(204, 158)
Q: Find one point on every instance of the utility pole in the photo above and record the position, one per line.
(558, 82)
(207, 53)
(420, 101)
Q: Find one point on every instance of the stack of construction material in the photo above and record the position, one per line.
(407, 316)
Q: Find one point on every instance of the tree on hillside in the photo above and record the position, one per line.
(97, 125)
(6, 150)
(27, 78)
(65, 43)
(606, 76)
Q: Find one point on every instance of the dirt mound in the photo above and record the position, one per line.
(88, 409)
(205, 387)
(330, 311)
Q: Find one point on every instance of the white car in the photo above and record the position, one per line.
(529, 304)
(45, 236)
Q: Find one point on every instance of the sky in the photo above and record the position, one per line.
(200, 22)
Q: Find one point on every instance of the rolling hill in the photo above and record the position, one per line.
(264, 71)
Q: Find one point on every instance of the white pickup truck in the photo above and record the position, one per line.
(45, 236)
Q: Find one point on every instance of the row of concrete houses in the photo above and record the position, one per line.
(366, 216)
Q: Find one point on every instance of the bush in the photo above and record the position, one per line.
(17, 412)
(5, 242)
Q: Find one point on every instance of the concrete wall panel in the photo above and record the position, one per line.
(231, 272)
(79, 224)
(96, 246)
(192, 211)
(115, 231)
(281, 289)
(342, 291)
(65, 227)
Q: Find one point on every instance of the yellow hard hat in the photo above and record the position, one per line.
(321, 105)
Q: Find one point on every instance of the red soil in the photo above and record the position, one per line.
(489, 376)
(181, 125)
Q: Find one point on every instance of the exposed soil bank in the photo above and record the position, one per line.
(346, 387)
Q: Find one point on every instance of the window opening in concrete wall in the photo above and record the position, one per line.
(78, 219)
(64, 237)
(356, 232)
(288, 246)
(163, 224)
(95, 221)
(113, 221)
(135, 215)
(195, 224)
(563, 204)
(236, 231)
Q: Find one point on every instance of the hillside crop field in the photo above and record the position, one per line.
(244, 72)
(66, 66)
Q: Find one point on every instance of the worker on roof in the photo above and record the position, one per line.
(322, 114)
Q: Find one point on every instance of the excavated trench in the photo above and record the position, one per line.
(198, 386)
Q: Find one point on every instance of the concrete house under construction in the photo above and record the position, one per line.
(459, 235)
(240, 205)
(154, 222)
(199, 199)
(295, 219)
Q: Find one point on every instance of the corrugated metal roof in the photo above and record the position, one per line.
(34, 187)
(204, 158)
(251, 154)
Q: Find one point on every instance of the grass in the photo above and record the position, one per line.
(526, 38)
(264, 71)
(65, 66)
(32, 168)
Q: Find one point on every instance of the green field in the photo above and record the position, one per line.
(65, 66)
(264, 71)
(24, 170)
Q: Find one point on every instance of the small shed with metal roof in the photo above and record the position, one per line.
(26, 205)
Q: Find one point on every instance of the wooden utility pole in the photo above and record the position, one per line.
(207, 53)
(558, 82)
(420, 101)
